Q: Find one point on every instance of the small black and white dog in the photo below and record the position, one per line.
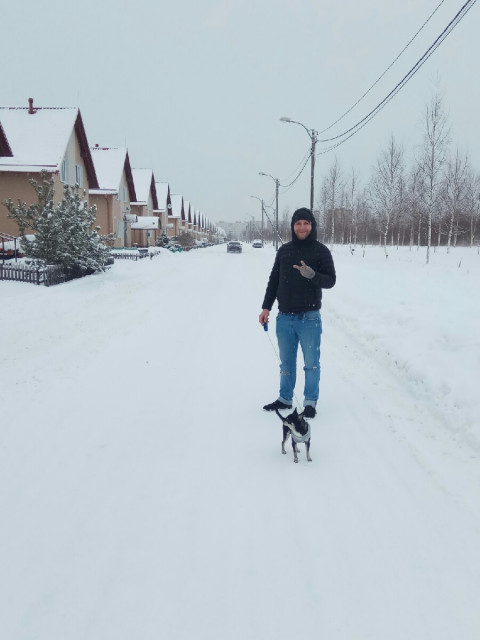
(295, 425)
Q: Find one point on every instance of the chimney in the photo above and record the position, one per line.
(30, 106)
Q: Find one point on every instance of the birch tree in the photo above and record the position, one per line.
(458, 178)
(432, 159)
(334, 188)
(386, 188)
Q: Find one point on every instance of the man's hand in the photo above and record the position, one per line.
(263, 317)
(305, 270)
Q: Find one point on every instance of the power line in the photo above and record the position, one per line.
(361, 123)
(386, 70)
(302, 163)
(286, 187)
(366, 119)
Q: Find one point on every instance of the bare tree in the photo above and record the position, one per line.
(386, 188)
(432, 160)
(473, 206)
(414, 202)
(458, 178)
(352, 207)
(334, 188)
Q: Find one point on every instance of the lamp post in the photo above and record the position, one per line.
(312, 134)
(277, 182)
(261, 200)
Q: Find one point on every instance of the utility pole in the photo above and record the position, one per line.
(262, 223)
(313, 138)
(277, 183)
(261, 200)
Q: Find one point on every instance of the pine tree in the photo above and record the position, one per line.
(64, 233)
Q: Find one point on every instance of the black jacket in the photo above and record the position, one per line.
(294, 292)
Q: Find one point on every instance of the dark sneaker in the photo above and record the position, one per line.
(276, 405)
(309, 411)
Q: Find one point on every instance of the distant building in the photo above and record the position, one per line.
(234, 230)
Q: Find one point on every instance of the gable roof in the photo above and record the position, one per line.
(186, 210)
(177, 206)
(110, 163)
(38, 139)
(163, 195)
(4, 146)
(144, 185)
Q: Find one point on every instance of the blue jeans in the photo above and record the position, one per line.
(306, 329)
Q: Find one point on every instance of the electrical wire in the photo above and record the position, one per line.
(386, 70)
(302, 162)
(361, 123)
(286, 187)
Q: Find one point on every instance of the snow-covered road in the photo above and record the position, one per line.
(142, 489)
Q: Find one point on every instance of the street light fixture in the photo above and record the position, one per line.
(277, 182)
(313, 138)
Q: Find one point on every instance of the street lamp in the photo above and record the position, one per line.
(277, 182)
(313, 137)
(261, 200)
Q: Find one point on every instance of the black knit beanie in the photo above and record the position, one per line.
(303, 214)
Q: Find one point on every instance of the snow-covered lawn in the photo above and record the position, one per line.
(142, 489)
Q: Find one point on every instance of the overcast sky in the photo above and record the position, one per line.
(195, 89)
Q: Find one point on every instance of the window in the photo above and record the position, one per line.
(79, 175)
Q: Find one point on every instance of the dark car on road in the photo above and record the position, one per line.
(234, 247)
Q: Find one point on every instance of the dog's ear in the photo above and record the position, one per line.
(295, 412)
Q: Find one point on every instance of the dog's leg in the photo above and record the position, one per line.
(286, 433)
(295, 456)
(307, 447)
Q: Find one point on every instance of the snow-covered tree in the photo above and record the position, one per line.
(64, 233)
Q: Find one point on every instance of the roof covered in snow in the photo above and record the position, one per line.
(177, 205)
(144, 185)
(163, 190)
(186, 210)
(38, 138)
(146, 223)
(4, 145)
(110, 163)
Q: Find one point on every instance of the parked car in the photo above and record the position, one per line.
(234, 247)
(257, 244)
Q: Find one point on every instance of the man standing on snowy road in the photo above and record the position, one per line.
(302, 268)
